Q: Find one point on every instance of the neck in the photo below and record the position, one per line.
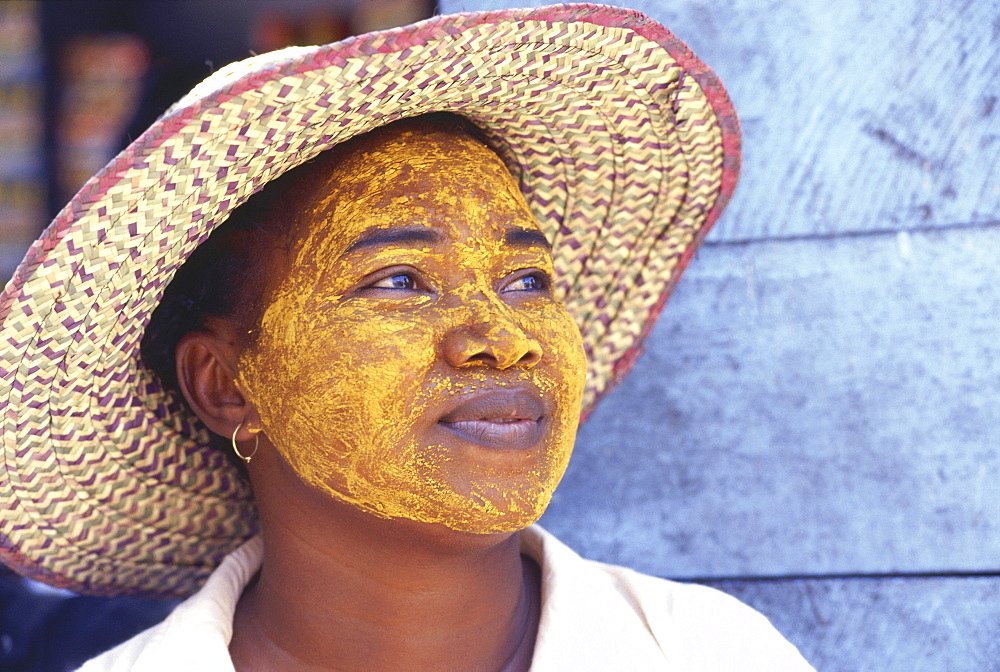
(342, 590)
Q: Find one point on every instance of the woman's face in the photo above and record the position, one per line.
(411, 359)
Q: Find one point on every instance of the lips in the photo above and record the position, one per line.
(508, 419)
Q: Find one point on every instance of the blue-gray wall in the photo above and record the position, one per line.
(818, 410)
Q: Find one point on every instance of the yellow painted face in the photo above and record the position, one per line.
(411, 359)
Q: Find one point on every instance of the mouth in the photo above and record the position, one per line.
(503, 419)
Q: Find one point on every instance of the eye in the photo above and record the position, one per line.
(395, 281)
(391, 282)
(529, 281)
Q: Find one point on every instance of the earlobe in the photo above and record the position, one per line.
(206, 370)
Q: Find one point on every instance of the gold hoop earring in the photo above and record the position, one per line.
(256, 445)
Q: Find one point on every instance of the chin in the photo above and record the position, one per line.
(493, 511)
(484, 511)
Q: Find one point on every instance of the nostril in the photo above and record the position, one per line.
(529, 358)
(490, 347)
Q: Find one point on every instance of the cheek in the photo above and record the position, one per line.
(567, 377)
(565, 357)
(327, 386)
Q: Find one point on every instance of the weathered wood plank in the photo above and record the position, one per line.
(884, 625)
(857, 115)
(803, 407)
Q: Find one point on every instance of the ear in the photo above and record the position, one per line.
(206, 370)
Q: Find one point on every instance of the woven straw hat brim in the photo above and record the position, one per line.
(626, 147)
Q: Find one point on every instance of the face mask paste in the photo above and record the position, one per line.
(361, 345)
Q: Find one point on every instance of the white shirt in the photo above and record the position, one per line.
(594, 617)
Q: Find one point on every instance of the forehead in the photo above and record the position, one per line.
(412, 177)
(445, 182)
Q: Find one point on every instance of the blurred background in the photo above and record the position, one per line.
(815, 422)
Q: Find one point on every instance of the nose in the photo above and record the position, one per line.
(498, 346)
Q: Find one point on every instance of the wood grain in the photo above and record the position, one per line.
(816, 406)
(919, 624)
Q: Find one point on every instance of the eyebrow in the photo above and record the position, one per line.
(413, 235)
(519, 237)
(418, 236)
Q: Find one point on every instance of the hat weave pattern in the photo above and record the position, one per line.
(626, 148)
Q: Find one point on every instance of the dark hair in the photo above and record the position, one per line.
(223, 277)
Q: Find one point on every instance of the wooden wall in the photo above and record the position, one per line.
(815, 424)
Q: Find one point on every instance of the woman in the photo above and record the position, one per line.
(391, 337)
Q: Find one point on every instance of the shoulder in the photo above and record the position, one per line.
(691, 627)
(195, 636)
(707, 628)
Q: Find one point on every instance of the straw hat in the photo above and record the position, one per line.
(625, 144)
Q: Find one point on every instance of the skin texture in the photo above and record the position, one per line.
(415, 402)
(415, 292)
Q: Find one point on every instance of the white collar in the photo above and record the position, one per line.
(593, 617)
